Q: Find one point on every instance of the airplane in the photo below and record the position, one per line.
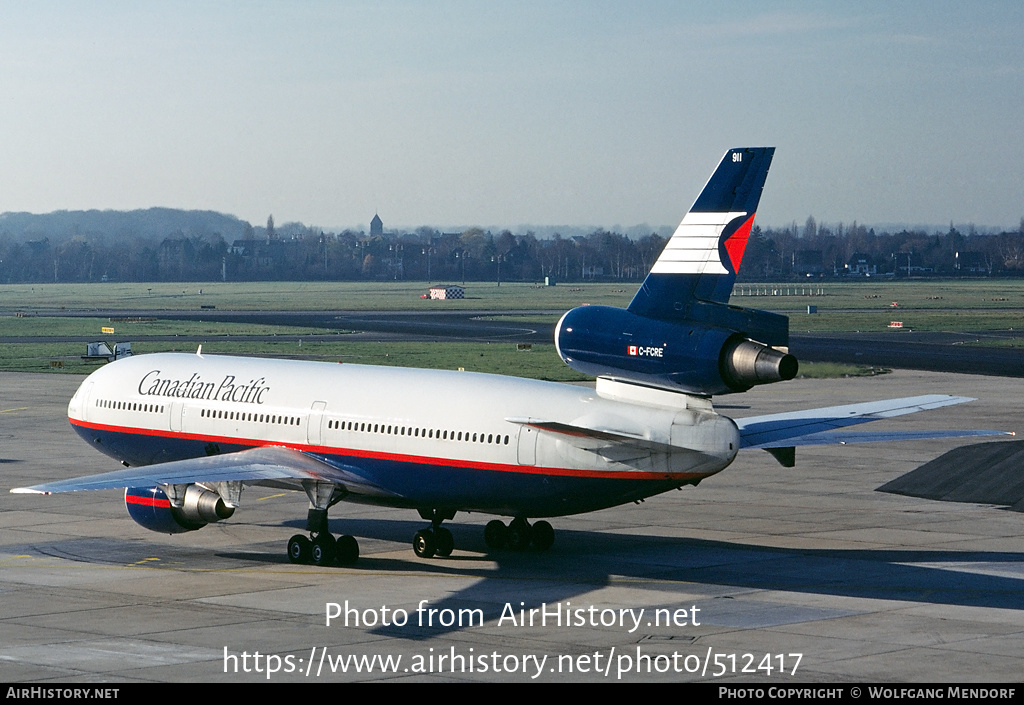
(193, 430)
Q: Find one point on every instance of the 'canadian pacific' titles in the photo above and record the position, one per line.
(195, 387)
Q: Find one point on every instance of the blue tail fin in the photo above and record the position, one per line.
(679, 332)
(701, 260)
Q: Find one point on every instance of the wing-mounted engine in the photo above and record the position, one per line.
(151, 508)
(679, 331)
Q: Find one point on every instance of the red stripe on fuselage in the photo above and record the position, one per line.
(396, 457)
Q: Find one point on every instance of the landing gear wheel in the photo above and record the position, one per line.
(495, 534)
(322, 549)
(346, 550)
(424, 544)
(444, 542)
(520, 533)
(299, 549)
(543, 535)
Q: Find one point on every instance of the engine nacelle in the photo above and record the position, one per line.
(686, 356)
(149, 507)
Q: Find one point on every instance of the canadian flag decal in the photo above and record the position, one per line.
(632, 350)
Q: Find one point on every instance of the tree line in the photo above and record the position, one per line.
(298, 252)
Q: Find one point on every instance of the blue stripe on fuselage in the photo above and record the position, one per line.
(511, 491)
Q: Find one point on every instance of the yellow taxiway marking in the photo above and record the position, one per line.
(20, 408)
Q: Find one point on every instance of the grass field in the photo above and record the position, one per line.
(926, 305)
(542, 362)
(304, 296)
(976, 305)
(57, 326)
(868, 295)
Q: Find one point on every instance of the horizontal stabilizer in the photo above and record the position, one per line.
(843, 438)
(813, 426)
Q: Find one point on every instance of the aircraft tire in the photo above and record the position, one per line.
(424, 544)
(520, 534)
(346, 550)
(543, 535)
(445, 542)
(322, 549)
(495, 534)
(299, 549)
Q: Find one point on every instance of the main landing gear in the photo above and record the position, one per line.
(519, 535)
(321, 548)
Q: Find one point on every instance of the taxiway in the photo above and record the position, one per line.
(811, 560)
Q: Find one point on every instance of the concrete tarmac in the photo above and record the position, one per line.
(759, 572)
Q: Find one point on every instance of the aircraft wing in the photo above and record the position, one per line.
(249, 466)
(822, 426)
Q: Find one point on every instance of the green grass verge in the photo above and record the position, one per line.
(542, 362)
(826, 321)
(63, 326)
(305, 296)
(863, 305)
(497, 358)
(975, 305)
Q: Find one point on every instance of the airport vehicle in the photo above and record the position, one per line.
(193, 430)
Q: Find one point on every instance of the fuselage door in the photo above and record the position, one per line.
(78, 407)
(314, 426)
(527, 445)
(177, 411)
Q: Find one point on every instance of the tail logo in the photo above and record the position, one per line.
(697, 245)
(736, 244)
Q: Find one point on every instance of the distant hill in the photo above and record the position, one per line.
(148, 223)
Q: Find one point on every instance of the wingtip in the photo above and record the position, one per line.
(27, 490)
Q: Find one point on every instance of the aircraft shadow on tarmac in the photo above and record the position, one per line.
(573, 568)
(584, 561)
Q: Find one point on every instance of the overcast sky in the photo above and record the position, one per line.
(460, 113)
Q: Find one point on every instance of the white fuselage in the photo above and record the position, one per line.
(461, 440)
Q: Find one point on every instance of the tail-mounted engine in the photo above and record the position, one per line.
(692, 356)
(151, 508)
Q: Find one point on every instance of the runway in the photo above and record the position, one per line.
(763, 568)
